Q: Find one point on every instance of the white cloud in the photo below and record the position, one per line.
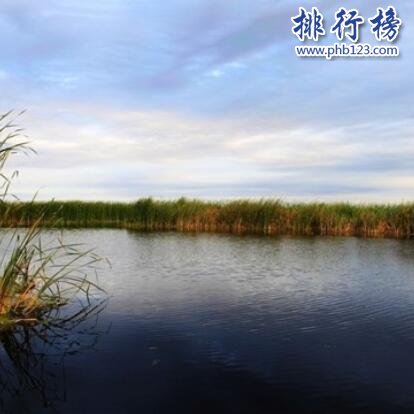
(107, 153)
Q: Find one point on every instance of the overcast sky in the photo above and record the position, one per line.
(203, 98)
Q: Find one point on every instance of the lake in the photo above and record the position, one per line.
(226, 324)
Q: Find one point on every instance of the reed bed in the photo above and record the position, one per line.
(270, 217)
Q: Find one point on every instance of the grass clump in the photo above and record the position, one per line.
(36, 277)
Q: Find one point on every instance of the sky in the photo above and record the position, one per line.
(203, 98)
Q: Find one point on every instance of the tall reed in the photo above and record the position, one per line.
(272, 217)
(36, 277)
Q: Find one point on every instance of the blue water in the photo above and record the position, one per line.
(226, 324)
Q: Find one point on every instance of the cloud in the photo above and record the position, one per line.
(126, 153)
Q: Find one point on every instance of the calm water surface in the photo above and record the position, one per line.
(225, 324)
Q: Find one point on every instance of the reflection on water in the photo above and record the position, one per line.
(214, 323)
(32, 357)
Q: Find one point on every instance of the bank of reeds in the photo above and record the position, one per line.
(271, 217)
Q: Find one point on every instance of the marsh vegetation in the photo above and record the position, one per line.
(272, 217)
(37, 276)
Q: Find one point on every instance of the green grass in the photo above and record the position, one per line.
(271, 217)
(36, 277)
